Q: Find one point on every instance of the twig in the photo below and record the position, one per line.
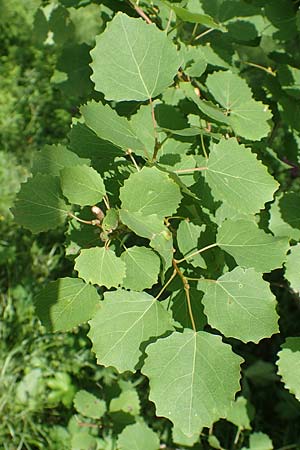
(141, 12)
(203, 146)
(169, 21)
(187, 293)
(258, 66)
(194, 169)
(203, 34)
(106, 201)
(129, 152)
(156, 144)
(166, 284)
(196, 253)
(89, 425)
(95, 222)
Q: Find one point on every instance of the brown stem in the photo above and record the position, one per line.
(194, 169)
(95, 222)
(156, 143)
(89, 425)
(187, 293)
(141, 12)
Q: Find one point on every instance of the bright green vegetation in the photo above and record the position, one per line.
(165, 225)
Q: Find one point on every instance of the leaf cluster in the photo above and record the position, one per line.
(178, 198)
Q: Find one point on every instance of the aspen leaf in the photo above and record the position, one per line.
(126, 320)
(196, 371)
(144, 70)
(100, 266)
(240, 305)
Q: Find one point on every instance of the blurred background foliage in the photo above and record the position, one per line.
(44, 77)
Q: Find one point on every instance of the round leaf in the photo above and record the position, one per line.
(65, 303)
(288, 365)
(142, 268)
(100, 266)
(138, 436)
(150, 191)
(251, 246)
(235, 176)
(240, 305)
(292, 268)
(193, 379)
(139, 69)
(39, 205)
(89, 405)
(125, 321)
(247, 117)
(82, 185)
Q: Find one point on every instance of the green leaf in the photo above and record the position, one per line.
(53, 158)
(39, 205)
(240, 305)
(142, 268)
(288, 365)
(151, 227)
(141, 224)
(236, 177)
(193, 379)
(138, 436)
(247, 117)
(187, 162)
(125, 321)
(100, 266)
(127, 402)
(207, 108)
(194, 61)
(251, 246)
(108, 125)
(87, 23)
(66, 303)
(82, 185)
(163, 244)
(150, 191)
(239, 414)
(143, 127)
(182, 439)
(111, 220)
(194, 17)
(89, 405)
(187, 239)
(285, 216)
(131, 71)
(259, 441)
(73, 65)
(292, 268)
(82, 440)
(85, 143)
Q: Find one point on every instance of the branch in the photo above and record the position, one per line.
(129, 152)
(157, 145)
(187, 293)
(166, 284)
(140, 12)
(196, 253)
